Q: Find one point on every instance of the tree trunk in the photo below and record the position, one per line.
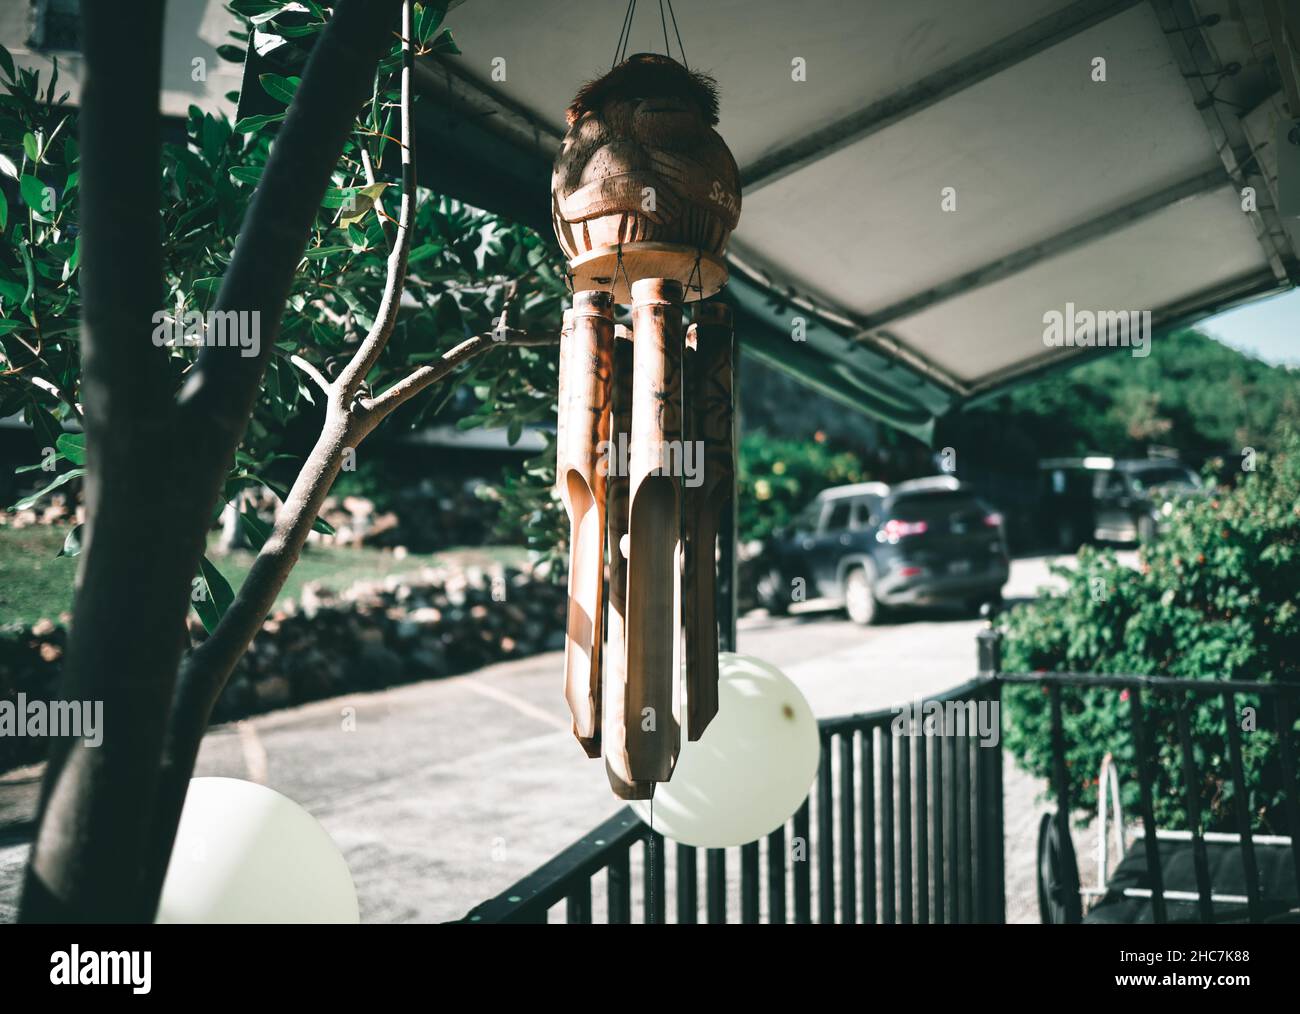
(155, 465)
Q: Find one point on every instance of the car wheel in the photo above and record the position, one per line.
(1146, 529)
(772, 594)
(860, 598)
(1067, 540)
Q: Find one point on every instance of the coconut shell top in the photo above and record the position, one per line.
(642, 169)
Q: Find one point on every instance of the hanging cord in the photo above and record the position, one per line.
(625, 33)
(617, 268)
(620, 49)
(696, 275)
(680, 47)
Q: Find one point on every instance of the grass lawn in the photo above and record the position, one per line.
(35, 582)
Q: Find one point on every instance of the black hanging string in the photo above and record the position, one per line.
(625, 33)
(696, 275)
(680, 47)
(617, 268)
(620, 49)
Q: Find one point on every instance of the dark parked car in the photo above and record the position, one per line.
(1110, 500)
(870, 546)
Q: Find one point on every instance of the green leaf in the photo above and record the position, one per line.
(256, 9)
(44, 424)
(365, 200)
(444, 43)
(317, 252)
(8, 167)
(12, 292)
(322, 526)
(246, 173)
(251, 124)
(4, 213)
(213, 595)
(428, 18)
(257, 530)
(232, 53)
(37, 195)
(72, 542)
(72, 446)
(279, 87)
(262, 12)
(7, 63)
(62, 479)
(423, 251)
(30, 271)
(72, 262)
(206, 289)
(215, 135)
(32, 146)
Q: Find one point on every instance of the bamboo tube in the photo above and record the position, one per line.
(652, 724)
(614, 722)
(585, 365)
(709, 415)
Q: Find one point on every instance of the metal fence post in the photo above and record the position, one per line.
(988, 643)
(990, 868)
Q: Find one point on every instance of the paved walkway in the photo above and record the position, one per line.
(448, 791)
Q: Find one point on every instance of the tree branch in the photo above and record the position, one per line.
(386, 317)
(220, 392)
(411, 385)
(385, 222)
(317, 377)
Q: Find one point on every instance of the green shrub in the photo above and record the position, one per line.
(1217, 597)
(779, 477)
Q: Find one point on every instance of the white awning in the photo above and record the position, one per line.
(1122, 194)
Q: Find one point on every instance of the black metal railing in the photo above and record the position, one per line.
(903, 825)
(905, 822)
(1183, 694)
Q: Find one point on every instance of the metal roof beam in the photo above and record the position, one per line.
(942, 84)
(1027, 257)
(1202, 69)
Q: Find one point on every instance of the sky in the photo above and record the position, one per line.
(1267, 328)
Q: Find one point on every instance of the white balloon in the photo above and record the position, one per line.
(750, 770)
(246, 854)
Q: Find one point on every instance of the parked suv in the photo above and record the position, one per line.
(870, 546)
(1110, 500)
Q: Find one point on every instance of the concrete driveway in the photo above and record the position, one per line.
(445, 792)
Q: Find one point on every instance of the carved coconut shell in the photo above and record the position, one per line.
(642, 171)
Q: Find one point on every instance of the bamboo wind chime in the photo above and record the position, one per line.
(645, 195)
